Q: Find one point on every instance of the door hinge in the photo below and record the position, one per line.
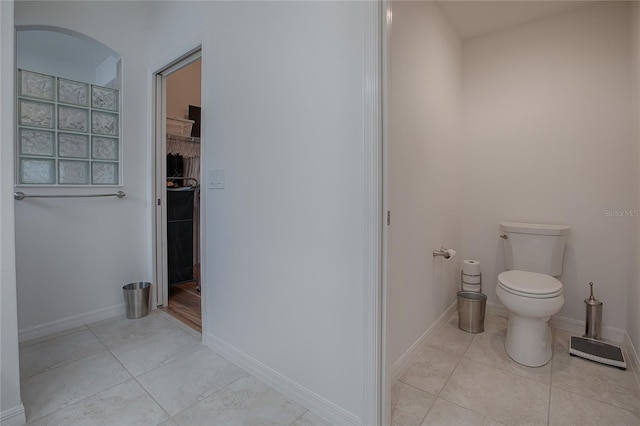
(388, 217)
(159, 201)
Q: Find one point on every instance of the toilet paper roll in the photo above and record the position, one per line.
(471, 287)
(471, 267)
(471, 279)
(452, 253)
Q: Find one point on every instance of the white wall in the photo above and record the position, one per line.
(549, 138)
(11, 410)
(633, 296)
(283, 115)
(183, 89)
(65, 55)
(424, 177)
(74, 255)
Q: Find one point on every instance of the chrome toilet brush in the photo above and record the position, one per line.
(590, 346)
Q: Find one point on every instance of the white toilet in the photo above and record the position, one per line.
(533, 256)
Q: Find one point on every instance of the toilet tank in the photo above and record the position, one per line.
(534, 247)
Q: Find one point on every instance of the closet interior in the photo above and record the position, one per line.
(183, 195)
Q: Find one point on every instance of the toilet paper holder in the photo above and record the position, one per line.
(463, 282)
(446, 253)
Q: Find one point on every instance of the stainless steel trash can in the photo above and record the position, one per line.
(136, 299)
(471, 307)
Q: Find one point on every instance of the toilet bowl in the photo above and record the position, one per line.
(532, 298)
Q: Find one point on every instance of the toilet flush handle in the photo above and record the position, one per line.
(503, 236)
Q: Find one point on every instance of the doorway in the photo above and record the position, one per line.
(178, 153)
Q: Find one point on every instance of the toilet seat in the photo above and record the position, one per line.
(530, 284)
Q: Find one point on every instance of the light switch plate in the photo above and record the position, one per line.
(215, 179)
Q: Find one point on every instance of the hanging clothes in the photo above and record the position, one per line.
(175, 165)
(188, 149)
(183, 208)
(192, 167)
(175, 168)
(182, 145)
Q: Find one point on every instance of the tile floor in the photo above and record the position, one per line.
(465, 379)
(149, 371)
(152, 371)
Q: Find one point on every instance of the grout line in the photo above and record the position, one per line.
(415, 387)
(153, 399)
(184, 327)
(599, 401)
(510, 361)
(584, 396)
(78, 401)
(172, 361)
(297, 418)
(47, 370)
(69, 362)
(132, 376)
(162, 365)
(424, 391)
(115, 357)
(211, 394)
(136, 380)
(52, 336)
(170, 328)
(452, 370)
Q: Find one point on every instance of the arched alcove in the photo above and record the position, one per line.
(67, 54)
(68, 109)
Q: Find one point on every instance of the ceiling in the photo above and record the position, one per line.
(475, 18)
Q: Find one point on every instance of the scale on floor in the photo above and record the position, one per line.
(591, 346)
(595, 350)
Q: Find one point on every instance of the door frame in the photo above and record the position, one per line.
(374, 222)
(385, 77)
(158, 73)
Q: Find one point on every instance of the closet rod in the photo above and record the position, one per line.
(180, 138)
(21, 195)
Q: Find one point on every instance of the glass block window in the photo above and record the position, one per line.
(68, 132)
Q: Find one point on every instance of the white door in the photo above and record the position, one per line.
(160, 140)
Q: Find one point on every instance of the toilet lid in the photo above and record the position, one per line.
(530, 284)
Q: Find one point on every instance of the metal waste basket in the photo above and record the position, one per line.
(471, 306)
(136, 299)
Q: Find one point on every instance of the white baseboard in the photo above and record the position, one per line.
(632, 355)
(13, 416)
(69, 322)
(563, 323)
(298, 393)
(578, 327)
(400, 366)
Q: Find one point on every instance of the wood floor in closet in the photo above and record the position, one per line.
(184, 305)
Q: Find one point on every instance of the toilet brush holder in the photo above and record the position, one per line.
(590, 346)
(593, 323)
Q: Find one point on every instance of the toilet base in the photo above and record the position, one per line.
(529, 340)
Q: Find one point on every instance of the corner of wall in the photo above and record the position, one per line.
(400, 366)
(633, 357)
(11, 408)
(632, 336)
(13, 416)
(288, 387)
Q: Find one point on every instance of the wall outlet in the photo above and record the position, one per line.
(215, 179)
